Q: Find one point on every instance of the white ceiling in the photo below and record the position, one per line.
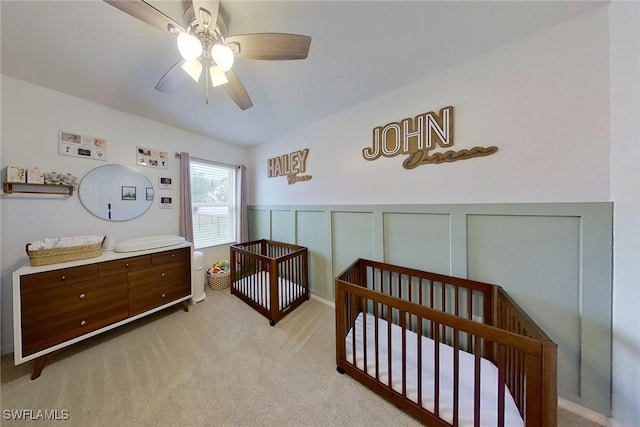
(359, 50)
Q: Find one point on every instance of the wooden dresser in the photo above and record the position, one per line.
(60, 304)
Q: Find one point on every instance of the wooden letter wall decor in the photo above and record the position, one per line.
(417, 137)
(289, 165)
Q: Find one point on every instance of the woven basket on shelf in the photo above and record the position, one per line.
(219, 281)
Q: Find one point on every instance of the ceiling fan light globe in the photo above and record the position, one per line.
(217, 76)
(189, 46)
(223, 56)
(193, 68)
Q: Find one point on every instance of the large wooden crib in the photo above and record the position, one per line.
(448, 351)
(272, 277)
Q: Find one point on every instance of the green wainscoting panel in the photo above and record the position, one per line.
(282, 226)
(259, 224)
(536, 259)
(352, 238)
(310, 231)
(418, 240)
(554, 259)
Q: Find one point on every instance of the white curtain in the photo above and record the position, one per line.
(186, 216)
(242, 228)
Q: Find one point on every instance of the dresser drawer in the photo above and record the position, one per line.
(161, 258)
(158, 286)
(124, 265)
(66, 299)
(51, 279)
(143, 299)
(154, 276)
(41, 335)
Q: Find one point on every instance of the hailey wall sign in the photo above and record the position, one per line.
(417, 137)
(289, 165)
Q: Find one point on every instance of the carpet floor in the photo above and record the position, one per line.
(220, 364)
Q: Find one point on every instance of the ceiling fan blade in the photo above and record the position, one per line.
(270, 46)
(147, 13)
(206, 12)
(173, 78)
(236, 90)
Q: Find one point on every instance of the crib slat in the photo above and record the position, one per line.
(403, 325)
(456, 375)
(476, 386)
(352, 303)
(390, 313)
(501, 368)
(419, 333)
(436, 369)
(376, 342)
(363, 309)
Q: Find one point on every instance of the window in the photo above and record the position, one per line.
(213, 203)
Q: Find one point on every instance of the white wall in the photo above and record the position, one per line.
(624, 23)
(542, 100)
(31, 119)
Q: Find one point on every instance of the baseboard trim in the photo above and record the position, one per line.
(586, 413)
(322, 300)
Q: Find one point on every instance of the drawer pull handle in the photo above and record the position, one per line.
(84, 322)
(162, 274)
(82, 295)
(126, 265)
(164, 295)
(63, 277)
(173, 255)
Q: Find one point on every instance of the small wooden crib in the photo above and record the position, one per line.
(448, 351)
(270, 276)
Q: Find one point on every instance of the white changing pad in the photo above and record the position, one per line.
(257, 287)
(150, 242)
(488, 377)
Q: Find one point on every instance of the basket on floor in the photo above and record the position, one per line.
(220, 280)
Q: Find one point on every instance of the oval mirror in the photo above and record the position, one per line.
(116, 192)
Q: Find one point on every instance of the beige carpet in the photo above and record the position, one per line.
(220, 364)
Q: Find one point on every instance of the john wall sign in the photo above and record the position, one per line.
(417, 137)
(289, 165)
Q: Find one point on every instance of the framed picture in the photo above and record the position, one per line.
(149, 193)
(165, 183)
(76, 145)
(128, 193)
(151, 158)
(166, 202)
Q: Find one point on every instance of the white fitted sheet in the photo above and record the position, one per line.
(488, 380)
(257, 287)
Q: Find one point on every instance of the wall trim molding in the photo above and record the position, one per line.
(584, 412)
(531, 249)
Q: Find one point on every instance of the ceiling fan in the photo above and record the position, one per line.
(204, 45)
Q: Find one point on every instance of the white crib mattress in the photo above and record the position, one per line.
(488, 380)
(257, 288)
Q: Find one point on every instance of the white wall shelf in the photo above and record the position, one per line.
(21, 187)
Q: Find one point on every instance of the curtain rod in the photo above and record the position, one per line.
(210, 161)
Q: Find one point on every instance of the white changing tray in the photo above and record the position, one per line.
(145, 243)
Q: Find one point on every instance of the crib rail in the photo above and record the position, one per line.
(270, 276)
(472, 317)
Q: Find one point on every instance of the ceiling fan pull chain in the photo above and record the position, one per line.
(206, 84)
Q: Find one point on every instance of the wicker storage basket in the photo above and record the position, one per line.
(219, 281)
(56, 255)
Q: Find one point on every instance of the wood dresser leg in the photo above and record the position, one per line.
(39, 366)
(185, 306)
